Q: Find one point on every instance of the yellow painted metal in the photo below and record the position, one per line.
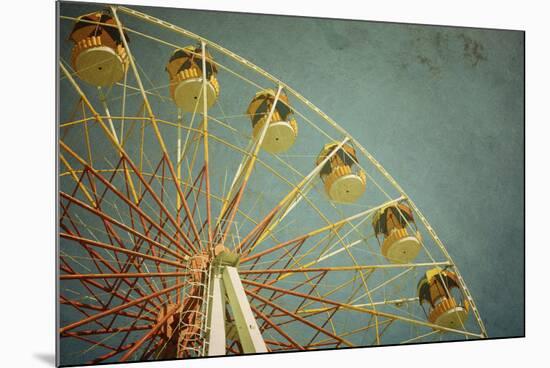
(76, 180)
(106, 130)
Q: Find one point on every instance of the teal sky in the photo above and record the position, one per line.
(441, 108)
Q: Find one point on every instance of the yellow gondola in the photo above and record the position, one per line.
(282, 130)
(185, 72)
(98, 56)
(395, 224)
(441, 298)
(344, 181)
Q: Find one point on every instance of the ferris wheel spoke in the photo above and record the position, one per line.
(121, 347)
(173, 221)
(125, 156)
(292, 249)
(77, 179)
(148, 335)
(340, 268)
(122, 269)
(196, 188)
(328, 319)
(241, 179)
(109, 229)
(108, 289)
(128, 229)
(329, 227)
(121, 275)
(112, 291)
(154, 123)
(308, 280)
(323, 255)
(129, 202)
(134, 323)
(96, 343)
(273, 325)
(109, 132)
(104, 331)
(205, 144)
(119, 308)
(163, 219)
(273, 297)
(362, 330)
(95, 257)
(65, 267)
(86, 283)
(81, 305)
(137, 245)
(312, 281)
(113, 248)
(109, 355)
(264, 227)
(382, 302)
(421, 337)
(151, 348)
(356, 267)
(362, 310)
(304, 306)
(297, 317)
(282, 345)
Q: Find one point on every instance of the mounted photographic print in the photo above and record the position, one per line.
(234, 183)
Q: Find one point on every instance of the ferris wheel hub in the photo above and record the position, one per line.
(187, 95)
(99, 66)
(225, 257)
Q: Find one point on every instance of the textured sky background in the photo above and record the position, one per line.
(440, 107)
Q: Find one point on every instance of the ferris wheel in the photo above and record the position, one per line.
(206, 208)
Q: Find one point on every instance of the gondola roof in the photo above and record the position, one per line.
(95, 24)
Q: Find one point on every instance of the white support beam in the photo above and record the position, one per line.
(216, 337)
(249, 333)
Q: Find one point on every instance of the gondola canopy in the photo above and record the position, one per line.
(190, 57)
(98, 24)
(434, 283)
(261, 105)
(345, 156)
(390, 217)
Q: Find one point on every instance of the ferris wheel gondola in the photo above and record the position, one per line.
(282, 130)
(440, 296)
(98, 56)
(185, 72)
(344, 181)
(394, 224)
